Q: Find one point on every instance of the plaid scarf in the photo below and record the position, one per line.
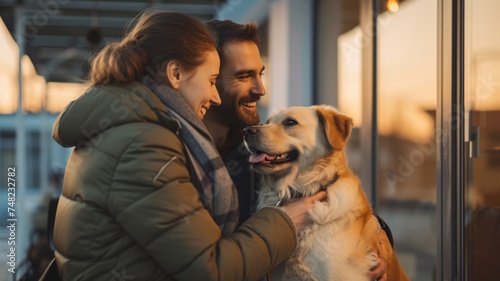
(219, 194)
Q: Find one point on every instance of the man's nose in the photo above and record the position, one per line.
(258, 87)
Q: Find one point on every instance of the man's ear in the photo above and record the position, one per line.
(173, 72)
(337, 127)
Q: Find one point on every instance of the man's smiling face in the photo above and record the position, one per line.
(240, 85)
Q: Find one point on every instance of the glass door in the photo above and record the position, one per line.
(482, 139)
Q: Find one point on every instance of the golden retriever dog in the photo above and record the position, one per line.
(300, 151)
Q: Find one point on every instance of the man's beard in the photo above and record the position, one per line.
(231, 114)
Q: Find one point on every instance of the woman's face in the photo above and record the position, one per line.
(198, 89)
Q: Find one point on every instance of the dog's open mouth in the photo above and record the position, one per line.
(260, 157)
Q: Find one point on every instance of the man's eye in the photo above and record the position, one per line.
(290, 122)
(243, 77)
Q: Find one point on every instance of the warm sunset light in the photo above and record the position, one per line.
(36, 92)
(8, 72)
(406, 73)
(60, 94)
(33, 84)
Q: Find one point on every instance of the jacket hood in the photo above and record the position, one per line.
(104, 107)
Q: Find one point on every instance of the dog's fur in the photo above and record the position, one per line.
(301, 151)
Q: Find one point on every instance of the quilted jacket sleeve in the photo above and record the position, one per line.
(155, 202)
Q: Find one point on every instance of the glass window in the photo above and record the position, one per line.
(482, 136)
(406, 110)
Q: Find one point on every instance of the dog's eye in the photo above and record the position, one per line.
(290, 122)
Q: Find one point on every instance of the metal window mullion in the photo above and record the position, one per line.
(369, 132)
(450, 209)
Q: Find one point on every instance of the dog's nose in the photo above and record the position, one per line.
(250, 131)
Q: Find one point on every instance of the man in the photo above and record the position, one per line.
(240, 88)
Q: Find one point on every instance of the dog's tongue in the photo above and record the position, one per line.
(258, 158)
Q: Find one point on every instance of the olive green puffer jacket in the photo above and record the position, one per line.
(129, 209)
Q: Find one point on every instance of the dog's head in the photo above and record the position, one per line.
(297, 137)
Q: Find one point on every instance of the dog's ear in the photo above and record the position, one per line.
(337, 127)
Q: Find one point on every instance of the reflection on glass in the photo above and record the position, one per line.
(482, 102)
(406, 106)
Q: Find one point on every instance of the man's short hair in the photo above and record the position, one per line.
(227, 31)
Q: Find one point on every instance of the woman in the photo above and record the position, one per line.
(146, 196)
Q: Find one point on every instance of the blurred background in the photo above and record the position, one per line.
(420, 78)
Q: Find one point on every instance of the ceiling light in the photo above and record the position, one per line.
(393, 5)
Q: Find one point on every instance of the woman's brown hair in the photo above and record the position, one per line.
(153, 39)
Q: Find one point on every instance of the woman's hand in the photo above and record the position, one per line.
(298, 210)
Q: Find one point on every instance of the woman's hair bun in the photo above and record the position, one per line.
(119, 62)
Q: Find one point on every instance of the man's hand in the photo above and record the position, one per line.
(393, 269)
(379, 272)
(385, 253)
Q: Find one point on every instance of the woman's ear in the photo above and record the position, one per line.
(173, 72)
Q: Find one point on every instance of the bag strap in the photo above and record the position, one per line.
(51, 273)
(386, 228)
(50, 222)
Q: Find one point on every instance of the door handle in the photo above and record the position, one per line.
(474, 142)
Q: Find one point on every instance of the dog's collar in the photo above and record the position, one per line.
(296, 194)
